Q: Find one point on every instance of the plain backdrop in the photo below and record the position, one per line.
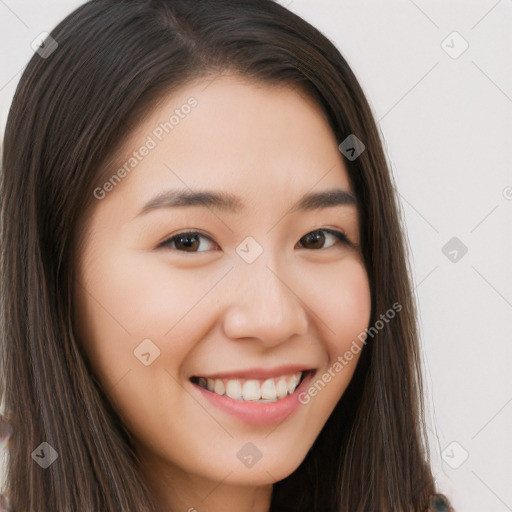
(439, 80)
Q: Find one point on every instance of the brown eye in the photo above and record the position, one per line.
(186, 242)
(317, 239)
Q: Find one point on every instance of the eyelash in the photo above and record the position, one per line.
(342, 237)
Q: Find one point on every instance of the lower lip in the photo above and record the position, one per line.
(258, 413)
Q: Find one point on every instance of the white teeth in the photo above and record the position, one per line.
(251, 390)
(254, 390)
(268, 390)
(294, 382)
(234, 389)
(281, 388)
(218, 387)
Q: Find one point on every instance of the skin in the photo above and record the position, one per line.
(210, 311)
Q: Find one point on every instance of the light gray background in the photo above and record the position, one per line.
(447, 124)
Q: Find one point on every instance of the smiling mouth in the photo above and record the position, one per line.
(253, 390)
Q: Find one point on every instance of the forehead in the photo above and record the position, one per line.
(227, 133)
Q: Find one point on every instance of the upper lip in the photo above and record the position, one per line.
(259, 372)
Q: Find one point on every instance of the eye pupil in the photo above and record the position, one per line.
(188, 242)
(316, 238)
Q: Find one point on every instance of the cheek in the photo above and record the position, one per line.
(138, 297)
(120, 305)
(342, 304)
(343, 307)
(147, 295)
(122, 301)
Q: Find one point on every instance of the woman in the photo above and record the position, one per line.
(205, 294)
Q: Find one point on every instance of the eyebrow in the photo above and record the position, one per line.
(224, 201)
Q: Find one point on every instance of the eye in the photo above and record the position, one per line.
(188, 241)
(317, 239)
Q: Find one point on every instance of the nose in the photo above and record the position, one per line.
(264, 304)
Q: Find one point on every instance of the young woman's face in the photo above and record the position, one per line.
(269, 283)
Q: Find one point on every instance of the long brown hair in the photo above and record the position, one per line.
(114, 61)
